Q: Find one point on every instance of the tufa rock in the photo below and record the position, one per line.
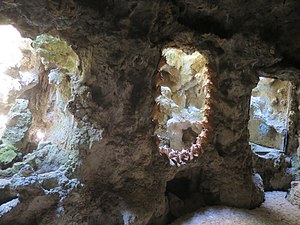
(19, 121)
(6, 193)
(294, 193)
(48, 157)
(274, 170)
(8, 155)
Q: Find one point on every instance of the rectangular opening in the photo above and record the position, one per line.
(269, 111)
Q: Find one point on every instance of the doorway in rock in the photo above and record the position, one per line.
(180, 104)
(269, 111)
(36, 130)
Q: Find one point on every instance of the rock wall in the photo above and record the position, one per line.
(293, 196)
(124, 178)
(276, 170)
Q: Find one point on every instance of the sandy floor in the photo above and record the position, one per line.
(276, 210)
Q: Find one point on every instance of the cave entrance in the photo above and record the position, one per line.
(180, 103)
(269, 111)
(36, 78)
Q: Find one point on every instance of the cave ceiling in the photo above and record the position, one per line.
(276, 22)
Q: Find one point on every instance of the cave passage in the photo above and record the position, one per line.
(19, 67)
(35, 87)
(270, 105)
(181, 100)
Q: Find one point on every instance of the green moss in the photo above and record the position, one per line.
(7, 154)
(56, 52)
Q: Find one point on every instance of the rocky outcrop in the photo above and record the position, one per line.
(30, 191)
(18, 124)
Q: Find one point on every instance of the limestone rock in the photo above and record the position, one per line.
(9, 172)
(8, 206)
(47, 157)
(119, 45)
(6, 193)
(18, 124)
(8, 155)
(294, 193)
(56, 51)
(258, 192)
(26, 171)
(32, 201)
(274, 170)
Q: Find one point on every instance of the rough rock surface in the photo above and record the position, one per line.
(8, 155)
(47, 157)
(7, 193)
(275, 169)
(119, 43)
(18, 124)
(294, 193)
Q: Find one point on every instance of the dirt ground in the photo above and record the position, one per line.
(276, 210)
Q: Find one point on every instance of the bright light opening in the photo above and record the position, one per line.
(10, 56)
(40, 135)
(180, 104)
(3, 121)
(10, 43)
(270, 105)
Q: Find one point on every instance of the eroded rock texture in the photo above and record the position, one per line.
(270, 105)
(275, 169)
(123, 178)
(293, 196)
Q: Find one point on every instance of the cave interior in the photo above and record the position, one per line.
(140, 112)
